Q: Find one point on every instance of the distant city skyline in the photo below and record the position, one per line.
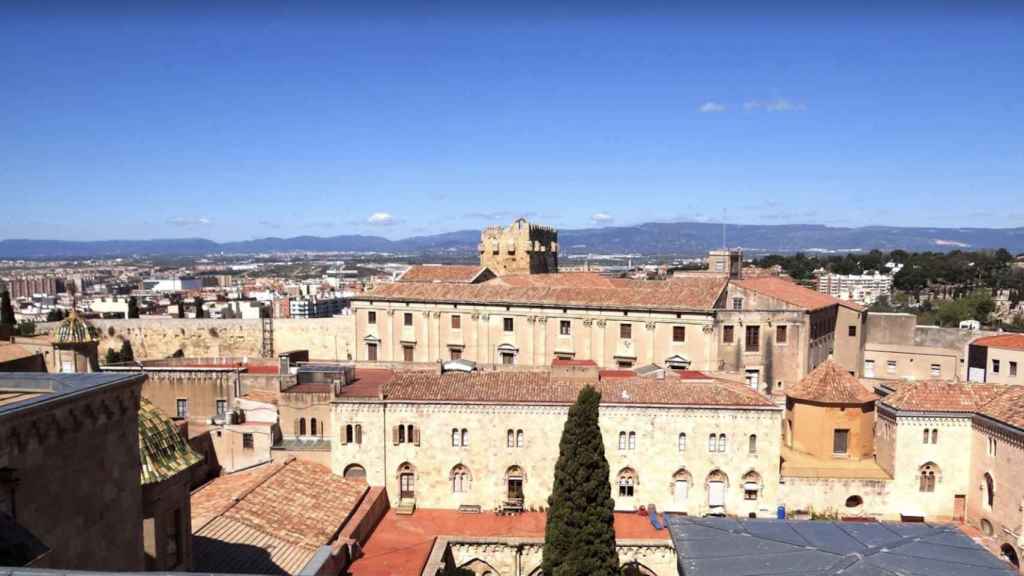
(190, 121)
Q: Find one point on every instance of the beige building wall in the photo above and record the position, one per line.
(832, 495)
(902, 362)
(1011, 366)
(997, 451)
(655, 457)
(810, 428)
(849, 340)
(294, 407)
(230, 446)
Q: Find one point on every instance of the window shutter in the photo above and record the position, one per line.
(394, 435)
(416, 436)
(359, 434)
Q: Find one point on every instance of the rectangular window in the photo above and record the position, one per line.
(508, 324)
(508, 358)
(679, 333)
(456, 353)
(371, 317)
(890, 366)
(995, 366)
(625, 331)
(737, 303)
(869, 368)
(840, 441)
(222, 407)
(371, 352)
(565, 327)
(1013, 368)
(851, 331)
(407, 353)
(728, 334)
(456, 322)
(407, 319)
(781, 333)
(182, 405)
(753, 338)
(624, 364)
(247, 441)
(936, 370)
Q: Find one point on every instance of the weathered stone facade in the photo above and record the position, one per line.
(522, 248)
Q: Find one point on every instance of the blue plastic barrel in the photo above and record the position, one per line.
(782, 513)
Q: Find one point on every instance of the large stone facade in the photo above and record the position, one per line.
(995, 492)
(652, 456)
(522, 248)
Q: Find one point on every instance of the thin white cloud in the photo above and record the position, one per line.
(381, 219)
(776, 105)
(183, 221)
(712, 106)
(601, 218)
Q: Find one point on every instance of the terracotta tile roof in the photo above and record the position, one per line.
(1007, 407)
(566, 290)
(1006, 341)
(540, 388)
(830, 383)
(262, 395)
(573, 362)
(789, 292)
(429, 273)
(11, 352)
(942, 396)
(288, 511)
(368, 383)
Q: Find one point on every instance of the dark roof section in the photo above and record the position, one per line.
(39, 389)
(756, 547)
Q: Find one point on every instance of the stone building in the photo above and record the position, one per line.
(489, 440)
(522, 248)
(830, 414)
(997, 359)
(69, 468)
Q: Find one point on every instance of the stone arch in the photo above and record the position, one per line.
(717, 475)
(480, 568)
(354, 472)
(1010, 554)
(627, 480)
(680, 486)
(461, 478)
(405, 475)
(929, 475)
(634, 568)
(854, 501)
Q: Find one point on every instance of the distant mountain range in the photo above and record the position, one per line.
(676, 238)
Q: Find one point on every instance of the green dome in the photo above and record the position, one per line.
(162, 450)
(73, 330)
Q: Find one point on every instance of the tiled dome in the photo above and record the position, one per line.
(73, 330)
(163, 451)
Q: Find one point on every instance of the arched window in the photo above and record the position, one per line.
(519, 439)
(622, 440)
(511, 438)
(632, 440)
(401, 434)
(990, 490)
(854, 502)
(465, 437)
(935, 435)
(409, 432)
(928, 473)
(927, 435)
(627, 483)
(712, 443)
(350, 435)
(752, 448)
(682, 442)
(456, 438)
(681, 482)
(312, 426)
(355, 472)
(751, 485)
(460, 479)
(721, 443)
(302, 426)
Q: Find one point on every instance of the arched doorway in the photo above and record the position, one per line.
(717, 484)
(479, 568)
(1010, 555)
(635, 568)
(407, 481)
(681, 482)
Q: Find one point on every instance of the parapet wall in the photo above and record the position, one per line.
(151, 338)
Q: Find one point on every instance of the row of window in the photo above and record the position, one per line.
(752, 336)
(181, 407)
(891, 367)
(996, 366)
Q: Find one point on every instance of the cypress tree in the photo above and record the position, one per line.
(579, 538)
(133, 307)
(127, 354)
(6, 309)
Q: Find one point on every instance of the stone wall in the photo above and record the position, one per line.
(831, 495)
(152, 338)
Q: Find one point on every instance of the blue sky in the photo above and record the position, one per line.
(278, 119)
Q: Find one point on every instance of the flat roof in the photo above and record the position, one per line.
(755, 547)
(22, 390)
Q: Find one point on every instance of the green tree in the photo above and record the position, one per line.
(6, 309)
(133, 307)
(112, 356)
(579, 538)
(127, 354)
(55, 315)
(27, 328)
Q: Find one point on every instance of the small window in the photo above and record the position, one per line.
(624, 364)
(508, 324)
(460, 480)
(682, 442)
(752, 448)
(737, 303)
(936, 370)
(632, 440)
(679, 333)
(625, 331)
(407, 319)
(182, 406)
(728, 334)
(371, 352)
(622, 440)
(371, 317)
(455, 353)
(222, 407)
(456, 438)
(627, 483)
(851, 331)
(840, 441)
(927, 478)
(712, 443)
(1013, 368)
(520, 439)
(995, 366)
(927, 436)
(407, 353)
(508, 358)
(511, 438)
(992, 446)
(721, 443)
(312, 427)
(854, 502)
(565, 327)
(890, 366)
(753, 338)
(456, 322)
(465, 437)
(781, 332)
(935, 435)
(247, 441)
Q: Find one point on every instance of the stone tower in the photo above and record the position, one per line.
(729, 262)
(522, 248)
